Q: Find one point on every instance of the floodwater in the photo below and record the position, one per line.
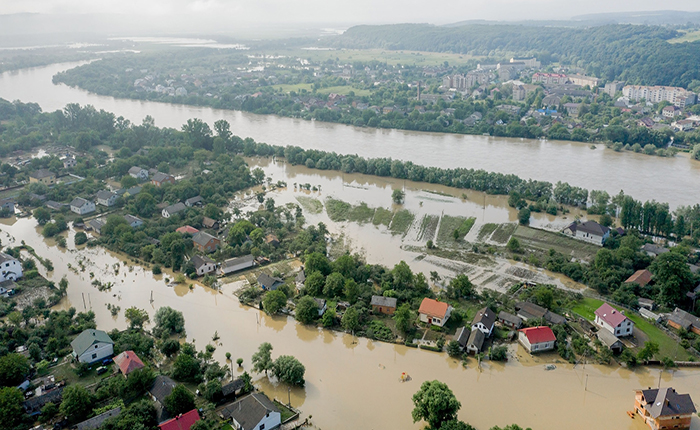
(671, 180)
(353, 382)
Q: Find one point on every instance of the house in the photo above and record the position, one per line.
(509, 320)
(653, 250)
(682, 319)
(81, 206)
(648, 304)
(127, 362)
(92, 345)
(132, 191)
(646, 122)
(42, 176)
(383, 305)
(235, 264)
(203, 265)
(7, 204)
(321, 305)
(210, 223)
(611, 341)
(537, 339)
(173, 209)
(233, 388)
(106, 198)
(10, 268)
(300, 279)
(181, 422)
(97, 421)
(462, 336)
(133, 221)
(268, 282)
(95, 225)
(528, 311)
(589, 231)
(53, 205)
(434, 312)
(161, 388)
(573, 108)
(187, 229)
(253, 412)
(272, 240)
(160, 179)
(475, 341)
(646, 313)
(671, 111)
(613, 321)
(139, 173)
(69, 162)
(33, 405)
(194, 201)
(640, 277)
(484, 321)
(664, 408)
(205, 242)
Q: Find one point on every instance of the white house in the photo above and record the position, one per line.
(537, 339)
(92, 345)
(484, 320)
(253, 412)
(138, 173)
(173, 209)
(235, 264)
(10, 268)
(81, 206)
(589, 231)
(613, 321)
(106, 198)
(203, 265)
(434, 312)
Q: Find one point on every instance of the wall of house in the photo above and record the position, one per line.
(481, 327)
(207, 268)
(383, 309)
(271, 421)
(10, 270)
(236, 268)
(97, 352)
(586, 237)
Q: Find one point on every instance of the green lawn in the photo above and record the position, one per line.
(688, 36)
(668, 346)
(546, 240)
(284, 411)
(402, 221)
(382, 216)
(338, 89)
(310, 204)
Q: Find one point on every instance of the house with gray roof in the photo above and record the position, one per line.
(268, 282)
(461, 336)
(384, 305)
(654, 250)
(106, 198)
(509, 320)
(588, 231)
(92, 345)
(139, 173)
(97, 421)
(159, 179)
(133, 221)
(682, 319)
(81, 206)
(235, 264)
(173, 209)
(33, 405)
(194, 201)
(205, 242)
(203, 264)
(611, 341)
(95, 225)
(528, 311)
(664, 408)
(484, 321)
(161, 388)
(475, 341)
(253, 412)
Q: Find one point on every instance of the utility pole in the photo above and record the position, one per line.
(661, 371)
(586, 389)
(151, 296)
(289, 396)
(84, 305)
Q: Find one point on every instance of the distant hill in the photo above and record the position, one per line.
(659, 17)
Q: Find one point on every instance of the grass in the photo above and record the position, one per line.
(688, 36)
(503, 233)
(545, 240)
(486, 231)
(382, 217)
(310, 204)
(285, 412)
(448, 224)
(361, 213)
(467, 225)
(401, 222)
(667, 346)
(337, 209)
(428, 226)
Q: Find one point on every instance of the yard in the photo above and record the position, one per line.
(545, 240)
(668, 346)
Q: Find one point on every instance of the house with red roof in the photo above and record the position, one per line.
(187, 229)
(181, 422)
(128, 361)
(434, 312)
(614, 321)
(537, 339)
(640, 277)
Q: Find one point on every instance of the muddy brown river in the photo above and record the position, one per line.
(353, 383)
(673, 180)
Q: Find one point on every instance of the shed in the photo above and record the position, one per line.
(611, 341)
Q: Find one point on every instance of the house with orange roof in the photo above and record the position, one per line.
(128, 361)
(187, 229)
(640, 277)
(434, 312)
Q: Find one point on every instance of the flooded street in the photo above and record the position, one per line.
(599, 169)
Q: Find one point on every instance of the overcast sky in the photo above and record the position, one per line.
(351, 11)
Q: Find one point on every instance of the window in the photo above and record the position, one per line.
(262, 426)
(96, 346)
(94, 356)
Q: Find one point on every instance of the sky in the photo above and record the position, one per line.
(344, 11)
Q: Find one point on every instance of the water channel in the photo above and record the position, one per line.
(673, 180)
(354, 383)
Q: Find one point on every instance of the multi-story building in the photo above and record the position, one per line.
(664, 408)
(583, 80)
(550, 78)
(677, 96)
(528, 62)
(611, 88)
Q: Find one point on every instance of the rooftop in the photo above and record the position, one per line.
(128, 361)
(641, 277)
(181, 422)
(250, 410)
(389, 302)
(662, 402)
(87, 338)
(610, 315)
(539, 334)
(433, 308)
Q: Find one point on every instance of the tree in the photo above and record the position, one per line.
(307, 310)
(461, 286)
(317, 262)
(404, 318)
(334, 285)
(80, 238)
(289, 370)
(168, 321)
(139, 381)
(313, 285)
(513, 245)
(186, 367)
(170, 347)
(77, 403)
(435, 403)
(262, 359)
(454, 349)
(351, 290)
(136, 317)
(11, 410)
(274, 301)
(328, 318)
(524, 216)
(648, 352)
(13, 369)
(351, 319)
(673, 276)
(179, 401)
(42, 215)
(398, 196)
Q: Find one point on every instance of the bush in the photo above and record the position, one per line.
(499, 353)
(80, 238)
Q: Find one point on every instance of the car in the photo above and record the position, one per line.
(101, 370)
(106, 361)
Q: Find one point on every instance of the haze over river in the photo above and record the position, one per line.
(354, 383)
(673, 180)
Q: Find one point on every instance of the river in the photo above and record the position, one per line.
(673, 180)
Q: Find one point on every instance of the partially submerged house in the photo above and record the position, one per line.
(664, 408)
(484, 320)
(253, 412)
(537, 339)
(203, 265)
(475, 341)
(614, 321)
(235, 264)
(434, 312)
(268, 282)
